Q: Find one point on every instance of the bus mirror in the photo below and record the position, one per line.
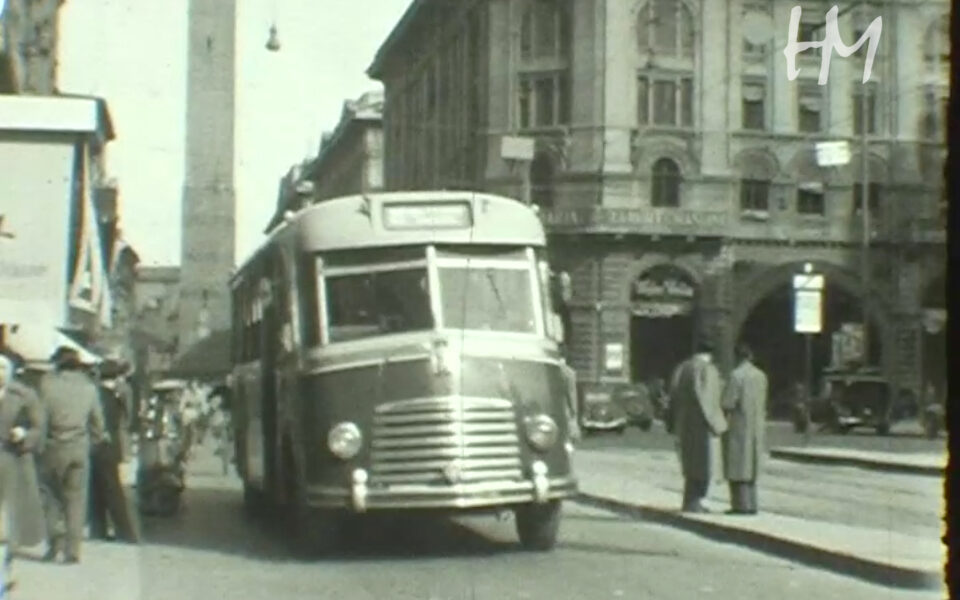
(555, 327)
(561, 290)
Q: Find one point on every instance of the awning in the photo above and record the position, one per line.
(36, 344)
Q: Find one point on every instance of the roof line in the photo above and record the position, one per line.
(395, 35)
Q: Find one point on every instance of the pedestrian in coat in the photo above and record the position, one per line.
(698, 419)
(74, 421)
(745, 404)
(21, 435)
(107, 498)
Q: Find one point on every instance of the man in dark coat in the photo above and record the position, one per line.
(745, 404)
(107, 498)
(698, 420)
(74, 420)
(21, 435)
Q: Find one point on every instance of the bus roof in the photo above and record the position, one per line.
(404, 218)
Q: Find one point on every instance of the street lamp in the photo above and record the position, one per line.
(273, 42)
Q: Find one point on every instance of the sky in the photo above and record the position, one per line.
(133, 54)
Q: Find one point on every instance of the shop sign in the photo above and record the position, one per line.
(662, 295)
(629, 219)
(668, 288)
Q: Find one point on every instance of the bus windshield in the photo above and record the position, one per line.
(487, 298)
(485, 290)
(378, 303)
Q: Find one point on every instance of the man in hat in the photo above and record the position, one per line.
(745, 403)
(21, 434)
(698, 420)
(74, 421)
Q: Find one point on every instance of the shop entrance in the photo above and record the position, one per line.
(662, 326)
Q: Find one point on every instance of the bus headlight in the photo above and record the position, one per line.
(344, 440)
(542, 431)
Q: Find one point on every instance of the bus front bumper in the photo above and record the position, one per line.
(360, 497)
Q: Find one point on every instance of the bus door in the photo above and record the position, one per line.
(268, 380)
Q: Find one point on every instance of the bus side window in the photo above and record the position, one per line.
(308, 299)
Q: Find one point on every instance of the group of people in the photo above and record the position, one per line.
(710, 416)
(60, 450)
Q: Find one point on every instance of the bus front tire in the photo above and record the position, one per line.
(254, 501)
(313, 532)
(538, 524)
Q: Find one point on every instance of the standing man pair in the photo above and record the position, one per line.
(704, 410)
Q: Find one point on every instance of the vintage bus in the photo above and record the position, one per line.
(399, 351)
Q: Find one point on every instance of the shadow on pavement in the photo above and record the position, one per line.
(212, 520)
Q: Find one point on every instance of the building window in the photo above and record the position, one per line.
(665, 100)
(936, 53)
(754, 195)
(809, 106)
(875, 195)
(541, 180)
(666, 28)
(754, 109)
(544, 100)
(859, 90)
(810, 200)
(544, 31)
(665, 190)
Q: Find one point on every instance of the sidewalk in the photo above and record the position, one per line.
(923, 464)
(635, 483)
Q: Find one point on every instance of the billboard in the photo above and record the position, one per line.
(35, 203)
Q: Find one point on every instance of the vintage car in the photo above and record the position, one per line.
(635, 400)
(600, 412)
(855, 398)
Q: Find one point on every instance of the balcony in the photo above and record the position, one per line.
(644, 221)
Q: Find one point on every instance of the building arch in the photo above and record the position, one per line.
(754, 289)
(651, 262)
(757, 163)
(662, 297)
(647, 150)
(652, 31)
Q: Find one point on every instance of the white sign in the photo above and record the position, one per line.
(808, 282)
(806, 311)
(516, 148)
(614, 357)
(833, 154)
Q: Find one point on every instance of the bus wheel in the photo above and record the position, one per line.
(537, 525)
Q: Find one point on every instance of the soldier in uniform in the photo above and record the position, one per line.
(74, 421)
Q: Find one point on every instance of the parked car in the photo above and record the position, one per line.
(600, 412)
(855, 398)
(634, 398)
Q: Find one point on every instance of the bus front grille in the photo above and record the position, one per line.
(433, 440)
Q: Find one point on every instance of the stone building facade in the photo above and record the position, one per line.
(28, 46)
(676, 171)
(350, 159)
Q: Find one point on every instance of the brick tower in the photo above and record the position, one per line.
(209, 198)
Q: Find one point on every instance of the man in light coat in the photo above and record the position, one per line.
(74, 424)
(745, 404)
(698, 419)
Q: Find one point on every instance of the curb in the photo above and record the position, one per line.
(813, 556)
(855, 461)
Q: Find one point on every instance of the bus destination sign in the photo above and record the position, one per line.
(446, 215)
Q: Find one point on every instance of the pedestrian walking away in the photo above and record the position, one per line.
(698, 419)
(74, 422)
(21, 435)
(745, 404)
